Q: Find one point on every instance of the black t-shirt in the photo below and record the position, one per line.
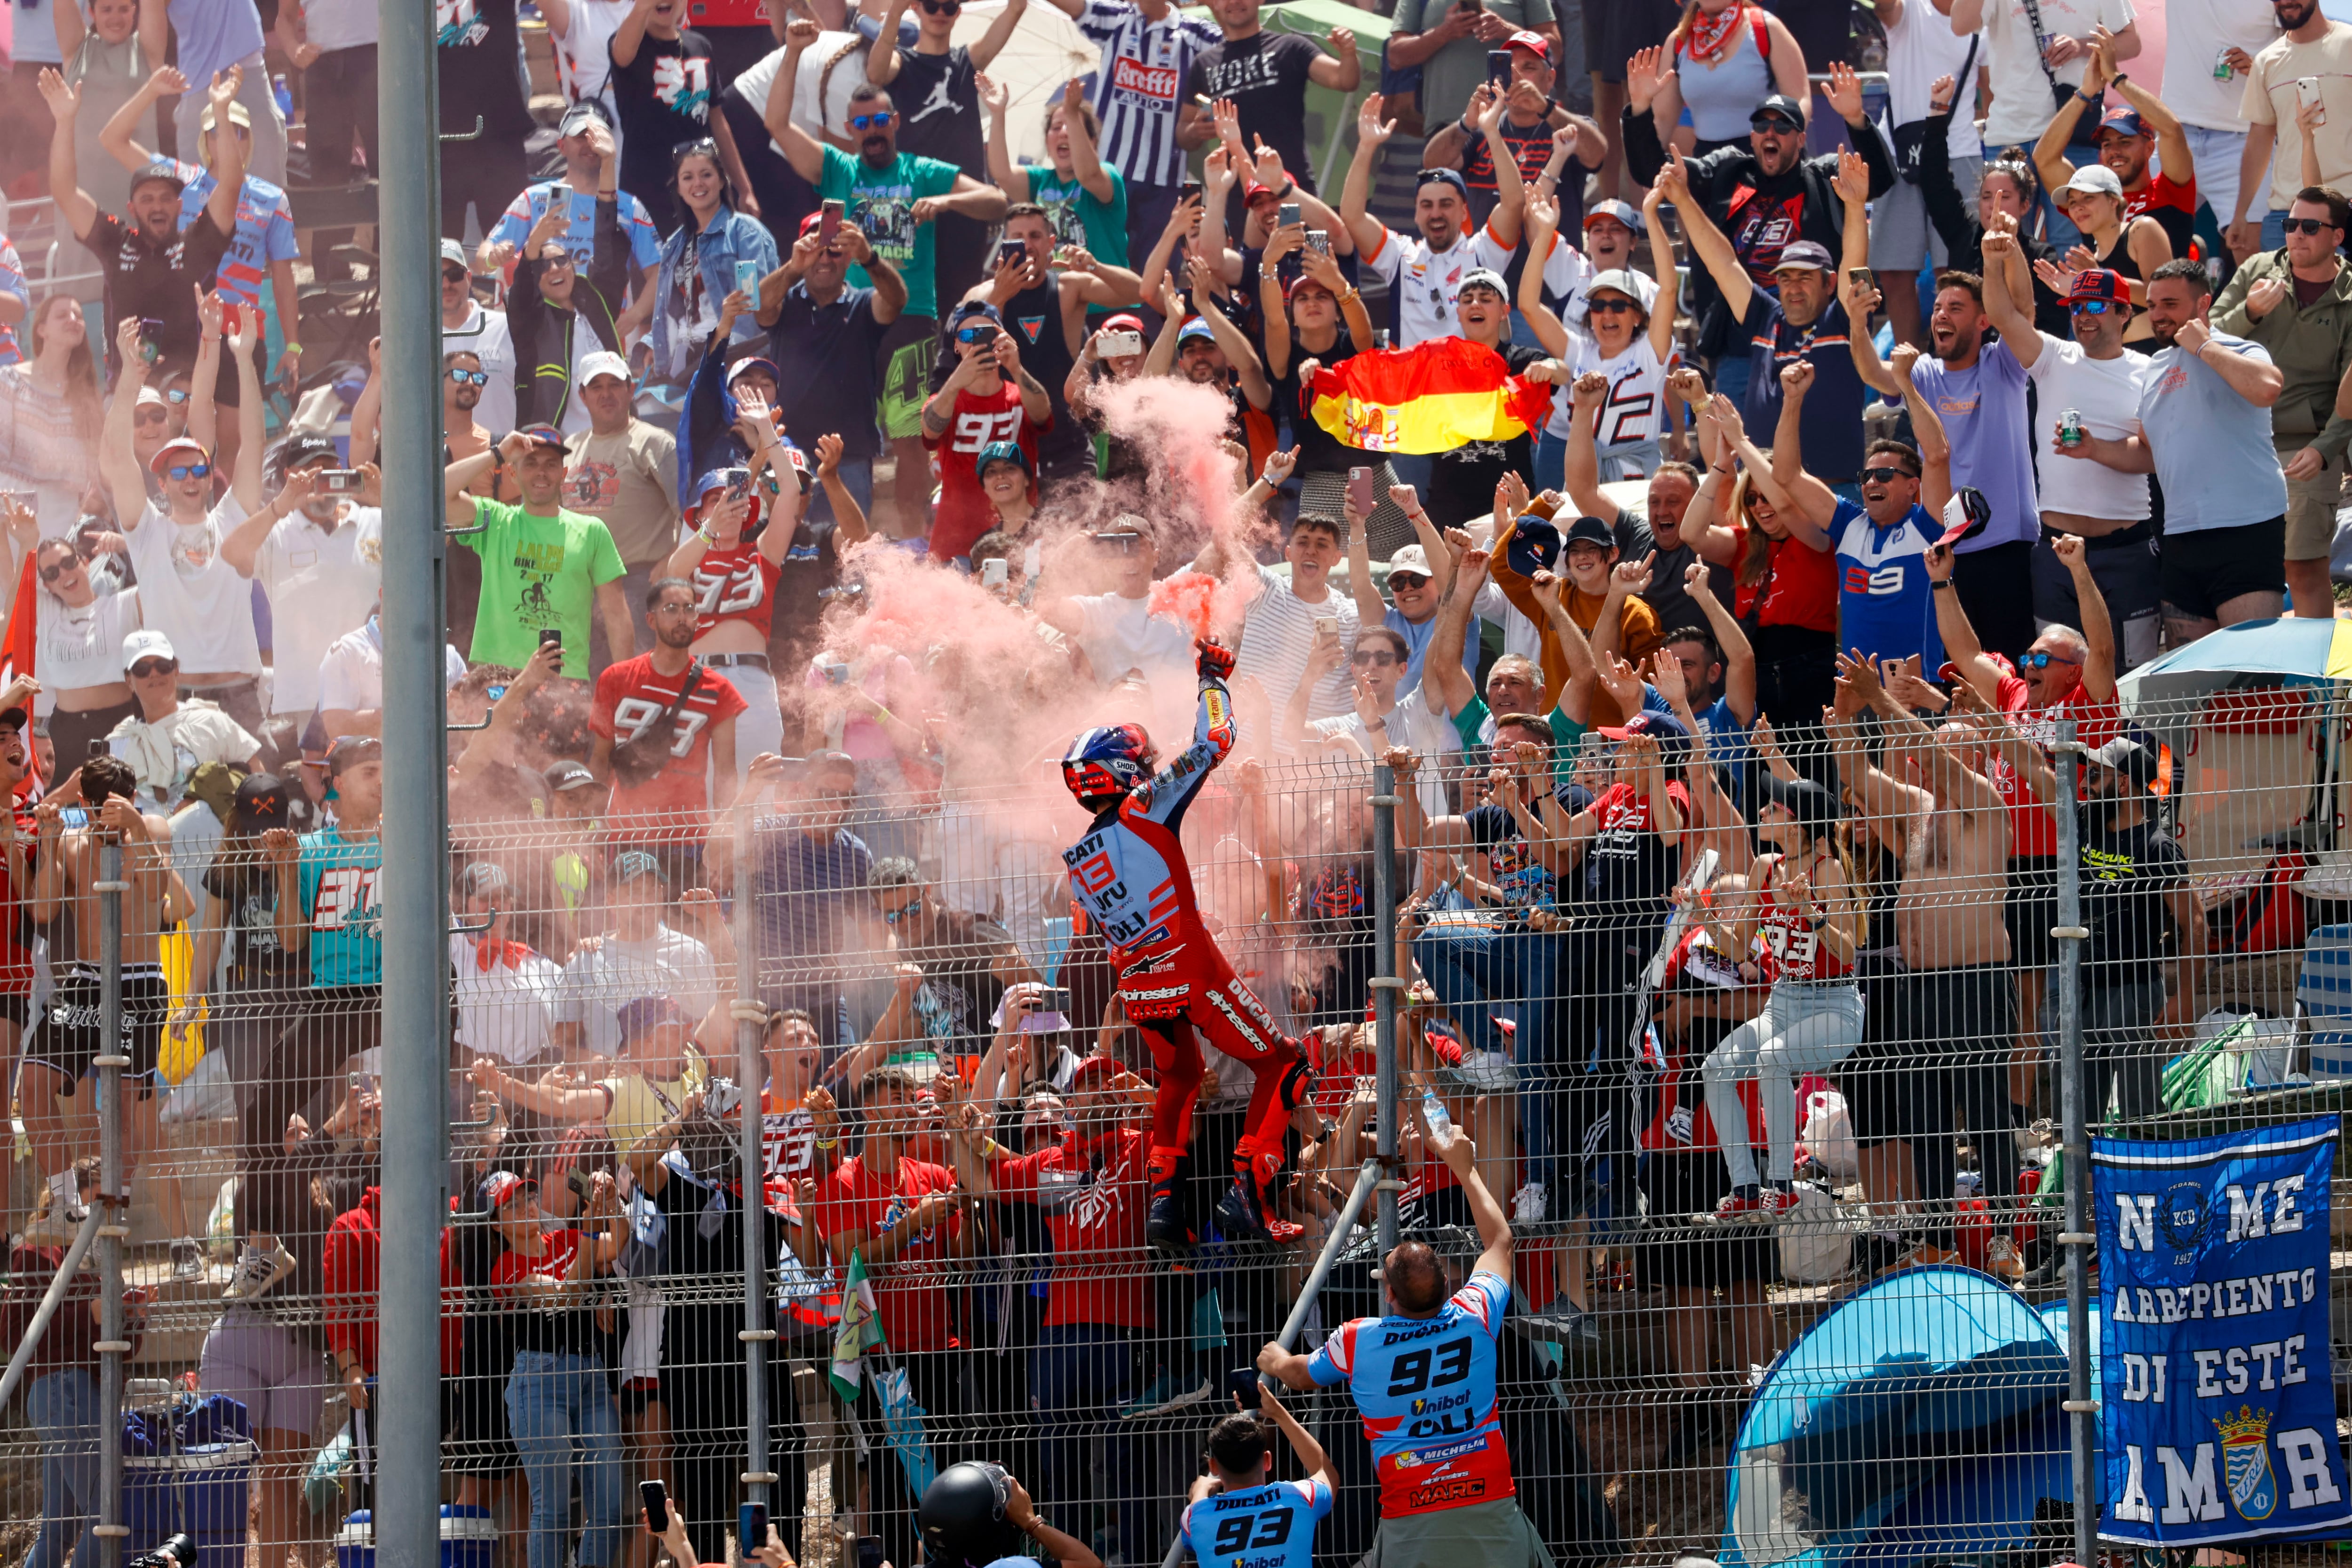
(248, 914)
(703, 1242)
(823, 356)
(1033, 317)
(1265, 75)
(157, 281)
(2127, 874)
(939, 108)
(1319, 451)
(665, 94)
(1512, 867)
(1628, 868)
(481, 70)
(1530, 148)
(1463, 480)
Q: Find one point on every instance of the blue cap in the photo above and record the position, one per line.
(1444, 177)
(2123, 121)
(1001, 452)
(1534, 546)
(715, 479)
(1194, 329)
(970, 308)
(644, 1015)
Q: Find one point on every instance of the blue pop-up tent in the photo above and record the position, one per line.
(1918, 1420)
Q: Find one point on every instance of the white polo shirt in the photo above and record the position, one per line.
(1424, 283)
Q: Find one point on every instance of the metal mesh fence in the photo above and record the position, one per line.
(1611, 959)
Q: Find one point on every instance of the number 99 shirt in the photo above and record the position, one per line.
(1259, 1527)
(1425, 1388)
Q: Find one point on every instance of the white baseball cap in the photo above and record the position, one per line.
(1412, 559)
(146, 643)
(604, 361)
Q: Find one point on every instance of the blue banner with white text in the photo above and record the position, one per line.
(2217, 1408)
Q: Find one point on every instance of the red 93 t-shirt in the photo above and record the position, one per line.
(978, 418)
(631, 695)
(737, 584)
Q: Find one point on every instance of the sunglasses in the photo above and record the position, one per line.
(148, 669)
(1407, 579)
(1610, 307)
(2306, 224)
(1769, 124)
(65, 564)
(469, 377)
(704, 146)
(892, 917)
(1884, 476)
(151, 415)
(2091, 307)
(189, 471)
(941, 7)
(873, 121)
(1372, 658)
(979, 335)
(177, 394)
(558, 259)
(455, 274)
(2039, 660)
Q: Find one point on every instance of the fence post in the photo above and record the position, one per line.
(2080, 1401)
(758, 1337)
(114, 1195)
(1385, 985)
(413, 894)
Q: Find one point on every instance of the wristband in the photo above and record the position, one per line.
(1943, 583)
(292, 347)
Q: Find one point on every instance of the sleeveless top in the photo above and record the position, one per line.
(1793, 949)
(1721, 95)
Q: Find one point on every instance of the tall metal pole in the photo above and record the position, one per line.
(114, 1193)
(2082, 1405)
(759, 1336)
(415, 901)
(1385, 985)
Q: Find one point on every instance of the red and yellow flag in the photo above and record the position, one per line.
(1431, 397)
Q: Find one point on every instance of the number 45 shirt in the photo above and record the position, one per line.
(1425, 1388)
(978, 418)
(1268, 1527)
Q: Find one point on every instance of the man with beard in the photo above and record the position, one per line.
(623, 471)
(687, 711)
(2126, 138)
(1538, 130)
(1208, 349)
(591, 175)
(896, 198)
(825, 337)
(1978, 394)
(320, 557)
(950, 969)
(1266, 76)
(2312, 48)
(2093, 376)
(1794, 315)
(2203, 430)
(1661, 514)
(469, 326)
(469, 387)
(153, 272)
(2296, 302)
(1764, 197)
(1425, 270)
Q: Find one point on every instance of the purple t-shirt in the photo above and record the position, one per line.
(1983, 410)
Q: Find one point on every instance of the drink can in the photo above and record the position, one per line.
(2070, 427)
(2222, 70)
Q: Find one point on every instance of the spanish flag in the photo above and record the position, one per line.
(1431, 397)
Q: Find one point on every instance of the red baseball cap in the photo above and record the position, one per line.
(1535, 43)
(1253, 193)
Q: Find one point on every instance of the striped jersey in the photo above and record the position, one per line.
(523, 215)
(264, 231)
(1886, 607)
(1143, 83)
(12, 283)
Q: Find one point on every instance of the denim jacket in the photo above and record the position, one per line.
(685, 316)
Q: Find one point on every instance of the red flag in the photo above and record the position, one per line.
(1431, 397)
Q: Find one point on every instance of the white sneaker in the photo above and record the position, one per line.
(1529, 1204)
(259, 1272)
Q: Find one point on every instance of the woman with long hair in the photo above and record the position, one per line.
(2112, 239)
(1722, 58)
(78, 632)
(698, 262)
(1796, 925)
(49, 415)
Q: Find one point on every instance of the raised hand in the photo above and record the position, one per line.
(1940, 93)
(1844, 93)
(1633, 576)
(996, 97)
(1369, 127)
(64, 100)
(1905, 358)
(1796, 378)
(1645, 74)
(1852, 181)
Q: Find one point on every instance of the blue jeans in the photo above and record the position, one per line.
(1077, 1374)
(2274, 229)
(856, 473)
(1480, 968)
(63, 1406)
(558, 1405)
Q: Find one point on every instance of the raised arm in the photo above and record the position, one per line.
(2012, 317)
(115, 135)
(996, 98)
(804, 152)
(229, 154)
(74, 205)
(1708, 242)
(1928, 429)
(1248, 372)
(1581, 462)
(1340, 71)
(882, 58)
(1372, 134)
(118, 463)
(1543, 226)
(1815, 504)
(1441, 666)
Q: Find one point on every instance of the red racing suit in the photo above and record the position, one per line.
(1129, 875)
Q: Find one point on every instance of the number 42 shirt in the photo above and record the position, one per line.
(1425, 1388)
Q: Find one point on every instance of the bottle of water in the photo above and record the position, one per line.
(1440, 1125)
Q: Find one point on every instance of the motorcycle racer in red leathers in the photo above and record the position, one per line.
(1129, 875)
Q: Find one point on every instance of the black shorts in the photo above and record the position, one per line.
(1676, 1183)
(2206, 569)
(2031, 909)
(1616, 30)
(475, 1439)
(68, 1037)
(1882, 1080)
(18, 1010)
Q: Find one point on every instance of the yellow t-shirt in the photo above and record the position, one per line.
(633, 1110)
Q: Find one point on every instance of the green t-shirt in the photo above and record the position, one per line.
(881, 202)
(1473, 724)
(1079, 217)
(538, 571)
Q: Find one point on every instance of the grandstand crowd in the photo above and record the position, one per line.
(1704, 450)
